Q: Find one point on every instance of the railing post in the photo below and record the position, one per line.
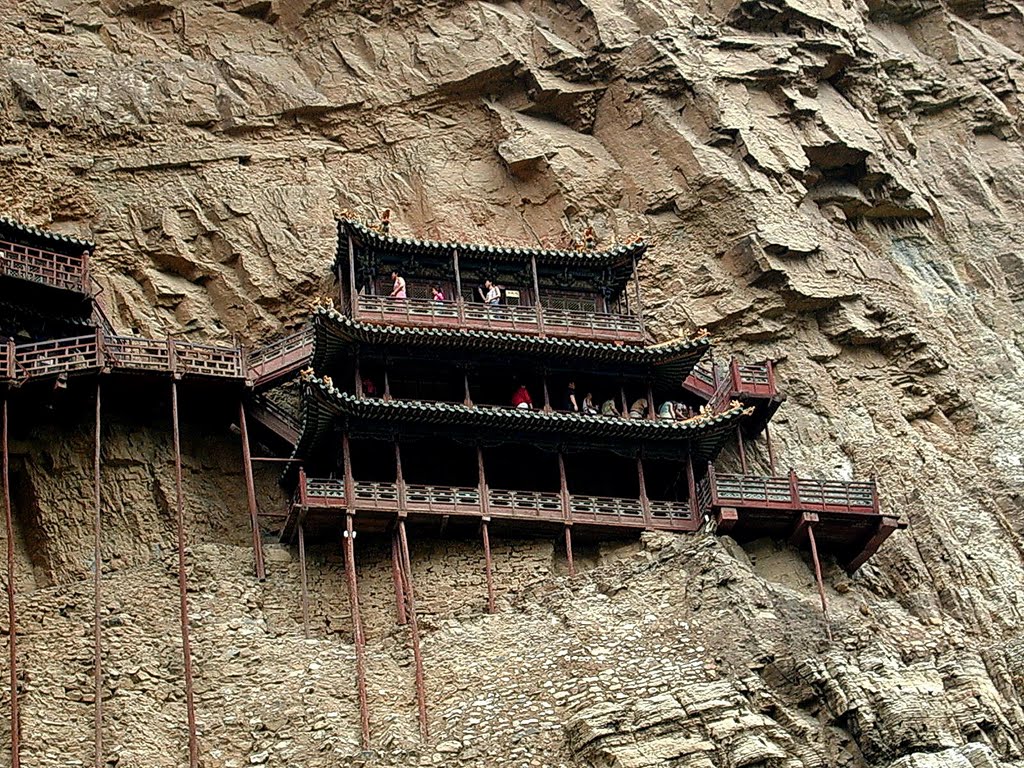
(639, 301)
(645, 503)
(303, 492)
(772, 390)
(12, 352)
(400, 479)
(876, 505)
(691, 484)
(485, 501)
(101, 357)
(794, 490)
(536, 294)
(563, 486)
(172, 360)
(734, 373)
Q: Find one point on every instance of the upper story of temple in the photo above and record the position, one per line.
(581, 294)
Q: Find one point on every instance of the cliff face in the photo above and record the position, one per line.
(835, 185)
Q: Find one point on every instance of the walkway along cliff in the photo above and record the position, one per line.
(404, 423)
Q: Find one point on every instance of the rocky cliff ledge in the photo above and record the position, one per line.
(836, 185)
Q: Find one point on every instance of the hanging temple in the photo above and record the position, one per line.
(470, 389)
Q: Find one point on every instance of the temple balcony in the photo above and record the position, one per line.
(53, 260)
(844, 516)
(751, 383)
(100, 352)
(536, 319)
(321, 502)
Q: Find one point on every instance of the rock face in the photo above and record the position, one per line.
(835, 185)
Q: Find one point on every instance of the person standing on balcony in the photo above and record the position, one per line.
(490, 293)
(588, 408)
(521, 398)
(569, 402)
(398, 287)
(437, 293)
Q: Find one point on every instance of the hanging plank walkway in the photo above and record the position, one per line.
(322, 502)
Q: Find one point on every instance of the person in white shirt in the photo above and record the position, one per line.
(398, 289)
(492, 296)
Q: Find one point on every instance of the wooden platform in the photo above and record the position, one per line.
(322, 503)
(846, 515)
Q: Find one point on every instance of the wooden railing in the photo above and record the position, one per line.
(504, 318)
(507, 504)
(123, 353)
(280, 357)
(743, 379)
(787, 493)
(54, 269)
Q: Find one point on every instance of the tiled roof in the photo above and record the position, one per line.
(617, 255)
(44, 239)
(673, 359)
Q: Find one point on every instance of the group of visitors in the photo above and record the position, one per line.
(489, 293)
(570, 402)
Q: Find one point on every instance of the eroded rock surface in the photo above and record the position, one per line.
(836, 185)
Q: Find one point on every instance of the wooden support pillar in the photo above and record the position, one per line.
(12, 620)
(97, 576)
(536, 294)
(352, 277)
(302, 573)
(743, 452)
(342, 303)
(186, 645)
(691, 485)
(414, 631)
(645, 503)
(357, 629)
(358, 376)
(346, 462)
(563, 489)
(250, 490)
(459, 301)
(771, 450)
(396, 577)
(639, 301)
(467, 400)
(625, 403)
(651, 413)
(387, 382)
(400, 479)
(817, 575)
(485, 496)
(568, 550)
(547, 394)
(487, 565)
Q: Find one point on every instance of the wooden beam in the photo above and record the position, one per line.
(725, 520)
(803, 524)
(487, 565)
(396, 577)
(743, 452)
(821, 583)
(645, 503)
(485, 500)
(250, 495)
(639, 301)
(357, 629)
(886, 527)
(346, 461)
(771, 450)
(467, 401)
(12, 620)
(563, 489)
(414, 631)
(186, 645)
(568, 549)
(97, 566)
(547, 394)
(400, 479)
(352, 276)
(304, 595)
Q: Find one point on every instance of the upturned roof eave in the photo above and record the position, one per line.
(44, 239)
(620, 254)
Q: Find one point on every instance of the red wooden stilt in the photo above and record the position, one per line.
(396, 577)
(186, 646)
(12, 619)
(821, 583)
(302, 573)
(743, 451)
(250, 492)
(97, 559)
(771, 450)
(487, 566)
(357, 627)
(645, 502)
(568, 550)
(414, 631)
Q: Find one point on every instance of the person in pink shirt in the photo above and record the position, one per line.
(437, 292)
(398, 289)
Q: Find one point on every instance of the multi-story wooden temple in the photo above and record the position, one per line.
(472, 390)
